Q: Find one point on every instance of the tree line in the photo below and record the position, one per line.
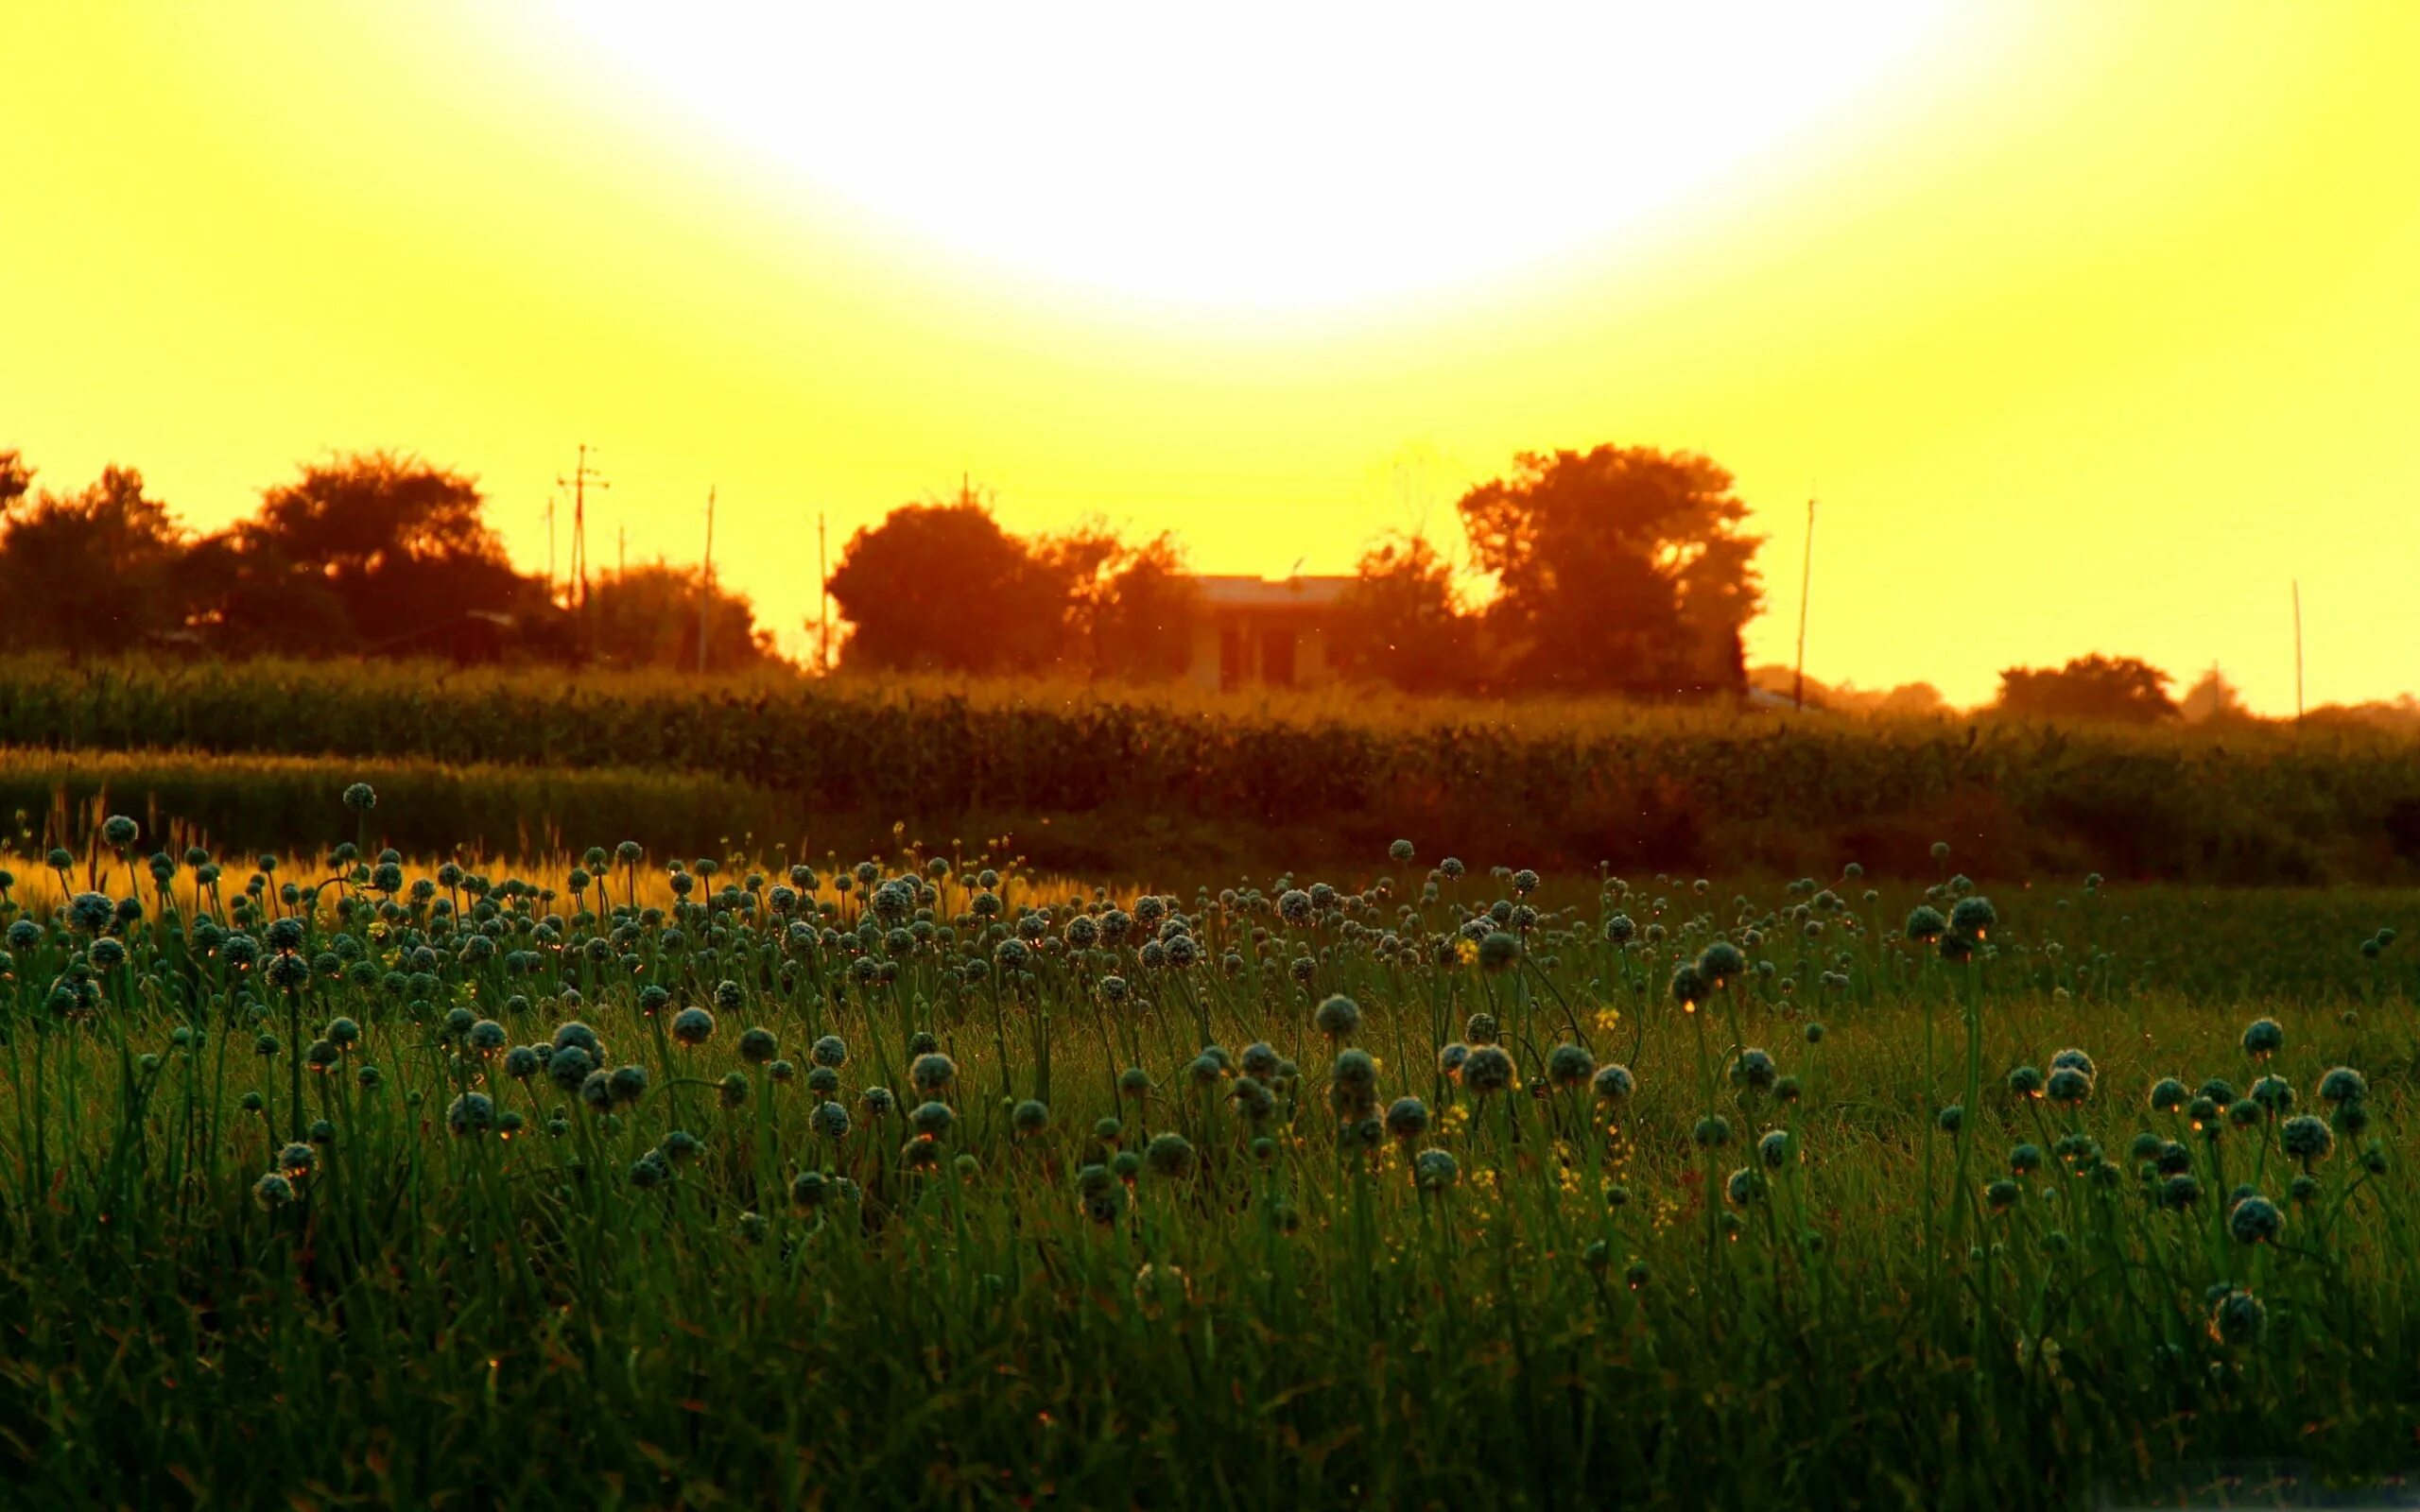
(1616, 570)
(368, 554)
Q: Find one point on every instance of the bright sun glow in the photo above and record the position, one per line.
(1275, 157)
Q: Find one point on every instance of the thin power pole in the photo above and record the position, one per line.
(823, 602)
(706, 582)
(582, 478)
(2298, 650)
(1805, 580)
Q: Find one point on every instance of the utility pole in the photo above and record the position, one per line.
(583, 478)
(2298, 650)
(706, 581)
(1805, 580)
(550, 543)
(824, 603)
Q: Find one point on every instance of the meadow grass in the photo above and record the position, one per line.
(928, 1181)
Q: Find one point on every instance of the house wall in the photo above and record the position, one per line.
(1257, 629)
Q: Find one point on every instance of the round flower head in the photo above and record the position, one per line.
(1169, 1154)
(1754, 1070)
(1950, 1118)
(2002, 1194)
(2237, 1318)
(1029, 1118)
(2069, 1087)
(693, 1026)
(2256, 1221)
(1926, 924)
(298, 1160)
(486, 1037)
(2275, 1095)
(931, 1119)
(1721, 964)
(272, 1192)
(1712, 1132)
(1613, 1084)
(2263, 1038)
(1973, 916)
(1619, 930)
(1134, 1082)
(1774, 1147)
(360, 797)
(2342, 1085)
(2180, 1192)
(1569, 1066)
(1435, 1170)
(582, 1036)
(1688, 988)
(1451, 1058)
(1337, 1017)
(1479, 1030)
(877, 1102)
(1499, 950)
(830, 1119)
(1252, 1097)
(757, 1046)
(2168, 1095)
(2074, 1059)
(1259, 1060)
(2306, 1139)
(931, 1073)
(2026, 1081)
(1487, 1071)
(681, 1147)
(471, 1113)
(1407, 1119)
(2220, 1090)
(829, 1051)
(629, 1082)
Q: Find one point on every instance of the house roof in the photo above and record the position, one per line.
(1270, 592)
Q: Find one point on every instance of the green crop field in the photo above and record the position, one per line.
(333, 1178)
(1115, 778)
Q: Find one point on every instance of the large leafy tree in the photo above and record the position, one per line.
(1132, 608)
(369, 552)
(1398, 621)
(91, 572)
(1620, 568)
(939, 586)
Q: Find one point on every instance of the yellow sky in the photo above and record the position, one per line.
(2093, 326)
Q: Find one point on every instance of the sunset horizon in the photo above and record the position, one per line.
(2079, 352)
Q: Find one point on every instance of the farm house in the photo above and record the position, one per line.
(1270, 632)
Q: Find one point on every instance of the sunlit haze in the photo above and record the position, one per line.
(2093, 328)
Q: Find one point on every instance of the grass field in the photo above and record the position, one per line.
(599, 1182)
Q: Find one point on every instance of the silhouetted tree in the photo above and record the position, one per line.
(1621, 569)
(2117, 689)
(941, 587)
(1131, 607)
(648, 617)
(374, 552)
(1399, 623)
(94, 572)
(15, 478)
